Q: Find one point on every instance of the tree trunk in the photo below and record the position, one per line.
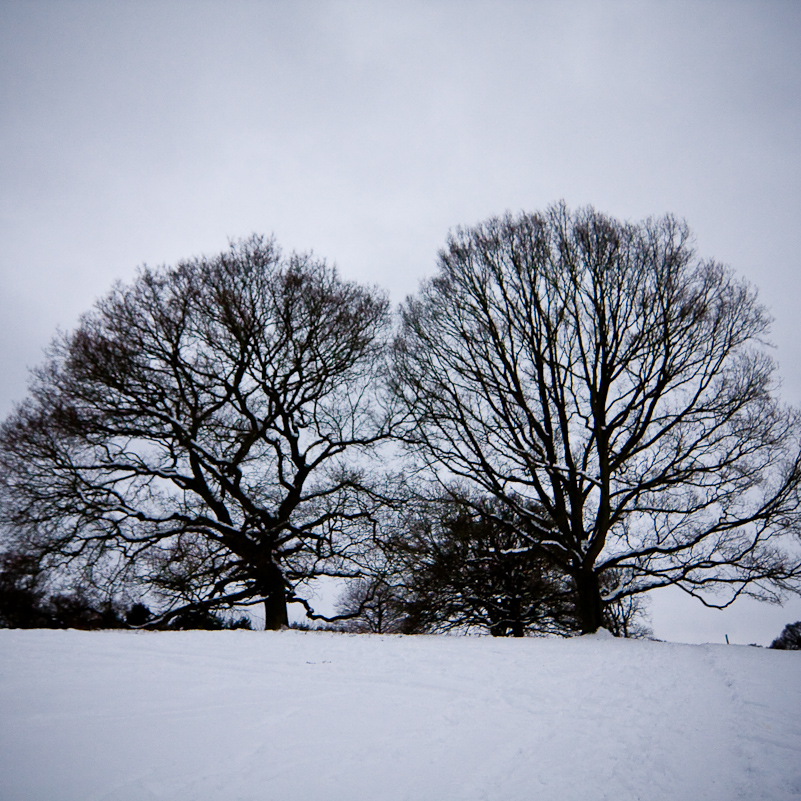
(590, 605)
(517, 627)
(275, 613)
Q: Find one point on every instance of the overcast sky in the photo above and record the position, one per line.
(146, 132)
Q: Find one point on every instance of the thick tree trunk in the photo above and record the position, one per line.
(590, 605)
(275, 612)
(517, 627)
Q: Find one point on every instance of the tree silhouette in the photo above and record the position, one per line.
(205, 430)
(609, 388)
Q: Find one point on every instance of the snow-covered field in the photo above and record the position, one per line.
(312, 716)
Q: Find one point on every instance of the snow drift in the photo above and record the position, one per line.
(322, 717)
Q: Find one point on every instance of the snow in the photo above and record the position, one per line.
(307, 715)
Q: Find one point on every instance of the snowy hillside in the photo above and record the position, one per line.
(316, 717)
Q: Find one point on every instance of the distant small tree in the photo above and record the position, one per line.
(204, 431)
(625, 616)
(374, 606)
(465, 569)
(790, 638)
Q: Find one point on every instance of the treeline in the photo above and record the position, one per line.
(573, 412)
(26, 603)
(459, 566)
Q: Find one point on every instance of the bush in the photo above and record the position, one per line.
(790, 638)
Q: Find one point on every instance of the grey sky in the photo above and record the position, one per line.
(152, 131)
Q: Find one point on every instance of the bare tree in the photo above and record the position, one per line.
(459, 564)
(204, 430)
(464, 566)
(602, 373)
(373, 605)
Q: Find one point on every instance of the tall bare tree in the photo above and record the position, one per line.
(601, 372)
(205, 429)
